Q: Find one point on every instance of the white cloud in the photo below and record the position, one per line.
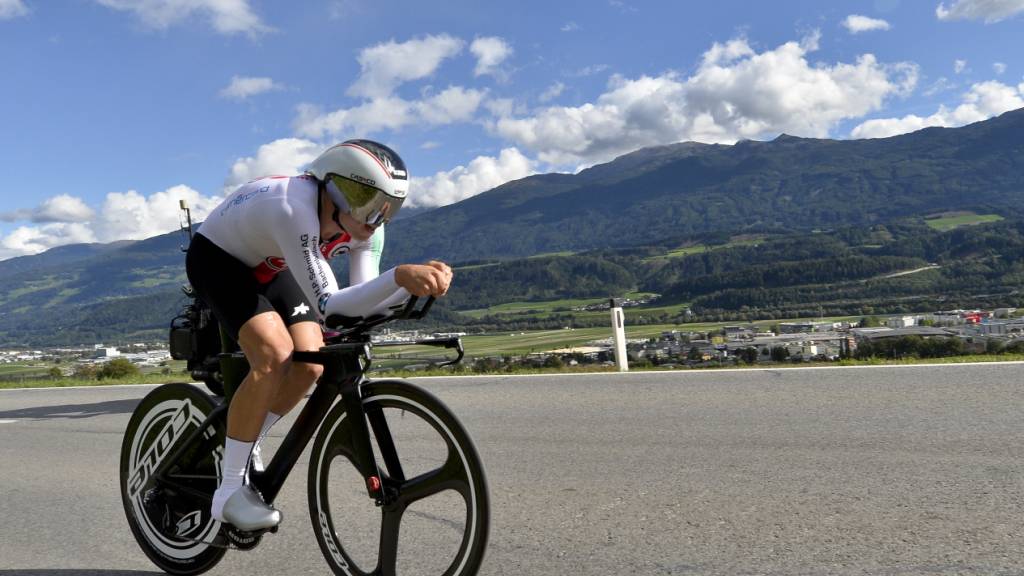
(242, 87)
(62, 208)
(570, 27)
(999, 67)
(490, 52)
(123, 216)
(981, 102)
(959, 66)
(988, 10)
(622, 6)
(27, 240)
(589, 70)
(10, 9)
(226, 16)
(287, 156)
(461, 182)
(388, 65)
(735, 93)
(132, 216)
(379, 114)
(725, 53)
(943, 84)
(856, 24)
(552, 92)
(454, 104)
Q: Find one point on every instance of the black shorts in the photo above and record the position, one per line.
(232, 291)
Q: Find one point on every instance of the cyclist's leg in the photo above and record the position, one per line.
(300, 376)
(299, 315)
(298, 379)
(267, 345)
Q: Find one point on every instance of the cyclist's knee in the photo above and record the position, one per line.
(304, 372)
(270, 362)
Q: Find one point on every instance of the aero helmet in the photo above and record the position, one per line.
(364, 178)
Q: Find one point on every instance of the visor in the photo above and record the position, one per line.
(364, 202)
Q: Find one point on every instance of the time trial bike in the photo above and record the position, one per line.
(395, 485)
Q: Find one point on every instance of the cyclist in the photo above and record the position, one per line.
(235, 264)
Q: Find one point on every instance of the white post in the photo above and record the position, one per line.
(619, 334)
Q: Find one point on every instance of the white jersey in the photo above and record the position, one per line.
(272, 224)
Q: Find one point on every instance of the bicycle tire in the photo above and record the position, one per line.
(172, 527)
(461, 472)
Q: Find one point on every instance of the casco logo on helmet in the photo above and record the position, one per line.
(359, 178)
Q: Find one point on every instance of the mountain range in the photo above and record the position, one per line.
(665, 197)
(669, 193)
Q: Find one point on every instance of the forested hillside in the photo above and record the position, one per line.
(917, 269)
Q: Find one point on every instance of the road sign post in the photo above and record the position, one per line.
(619, 334)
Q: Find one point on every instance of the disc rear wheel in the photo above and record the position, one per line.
(171, 519)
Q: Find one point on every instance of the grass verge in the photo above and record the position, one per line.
(66, 382)
(581, 369)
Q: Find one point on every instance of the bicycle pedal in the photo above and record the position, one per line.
(241, 540)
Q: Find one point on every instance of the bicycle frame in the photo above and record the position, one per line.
(343, 375)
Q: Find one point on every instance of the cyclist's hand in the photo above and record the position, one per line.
(444, 268)
(423, 279)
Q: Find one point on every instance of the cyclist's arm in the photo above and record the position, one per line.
(364, 260)
(298, 238)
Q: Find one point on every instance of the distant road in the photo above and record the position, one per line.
(915, 271)
(887, 470)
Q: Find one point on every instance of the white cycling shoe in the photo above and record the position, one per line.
(246, 511)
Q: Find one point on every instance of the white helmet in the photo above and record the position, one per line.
(364, 178)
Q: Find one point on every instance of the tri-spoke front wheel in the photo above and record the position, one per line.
(434, 518)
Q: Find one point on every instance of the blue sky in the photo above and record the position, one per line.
(112, 110)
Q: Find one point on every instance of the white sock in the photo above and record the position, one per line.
(233, 468)
(257, 455)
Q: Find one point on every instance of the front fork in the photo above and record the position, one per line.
(362, 446)
(343, 374)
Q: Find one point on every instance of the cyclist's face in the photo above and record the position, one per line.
(357, 229)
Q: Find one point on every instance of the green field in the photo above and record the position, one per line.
(16, 371)
(944, 222)
(544, 255)
(34, 286)
(702, 248)
(542, 309)
(542, 341)
(519, 343)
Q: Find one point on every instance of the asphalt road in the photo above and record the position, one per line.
(894, 470)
